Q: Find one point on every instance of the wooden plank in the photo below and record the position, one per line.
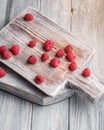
(87, 22)
(58, 11)
(85, 115)
(20, 31)
(14, 113)
(52, 117)
(22, 5)
(2, 12)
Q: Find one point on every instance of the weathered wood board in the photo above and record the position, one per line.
(21, 32)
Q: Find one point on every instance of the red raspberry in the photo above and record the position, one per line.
(55, 62)
(48, 45)
(2, 72)
(71, 56)
(60, 53)
(15, 49)
(39, 79)
(32, 43)
(86, 72)
(44, 57)
(28, 17)
(6, 54)
(73, 66)
(32, 59)
(2, 48)
(68, 48)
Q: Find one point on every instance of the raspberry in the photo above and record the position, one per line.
(2, 48)
(15, 49)
(86, 72)
(48, 45)
(73, 66)
(6, 54)
(68, 48)
(44, 57)
(32, 43)
(2, 72)
(28, 17)
(55, 62)
(71, 56)
(60, 53)
(39, 79)
(32, 59)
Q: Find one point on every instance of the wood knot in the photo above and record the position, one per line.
(72, 11)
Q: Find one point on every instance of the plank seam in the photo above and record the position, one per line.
(71, 15)
(69, 98)
(31, 118)
(69, 114)
(8, 11)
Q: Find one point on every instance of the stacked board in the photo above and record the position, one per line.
(60, 82)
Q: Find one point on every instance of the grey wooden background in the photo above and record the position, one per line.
(84, 18)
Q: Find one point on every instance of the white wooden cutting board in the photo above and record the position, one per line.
(21, 32)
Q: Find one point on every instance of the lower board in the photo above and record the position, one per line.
(18, 86)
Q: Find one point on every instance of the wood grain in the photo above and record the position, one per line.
(2, 12)
(88, 23)
(15, 9)
(52, 117)
(58, 11)
(14, 113)
(55, 120)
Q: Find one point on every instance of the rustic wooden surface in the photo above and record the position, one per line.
(86, 19)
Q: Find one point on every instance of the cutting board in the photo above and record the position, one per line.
(21, 32)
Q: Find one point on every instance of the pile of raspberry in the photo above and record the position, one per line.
(6, 54)
(66, 52)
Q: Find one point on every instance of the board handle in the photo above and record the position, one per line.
(90, 86)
